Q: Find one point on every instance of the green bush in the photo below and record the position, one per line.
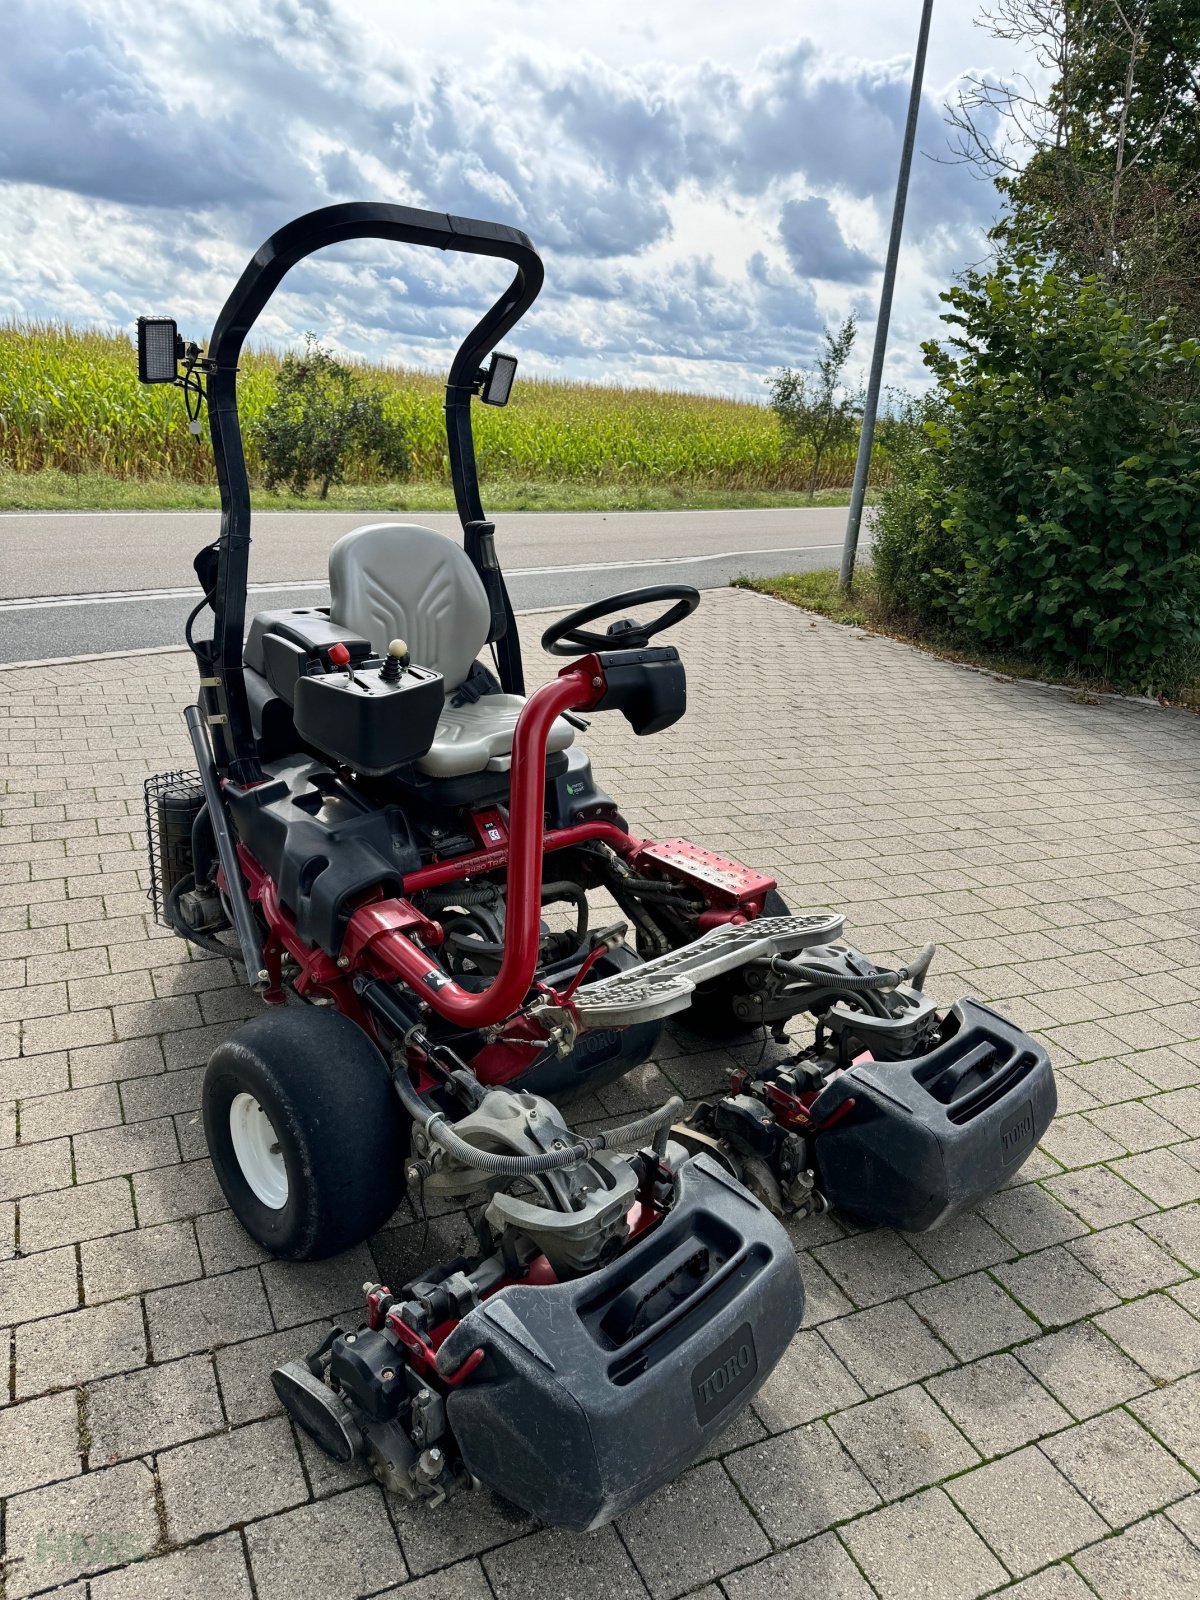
(1054, 509)
(320, 418)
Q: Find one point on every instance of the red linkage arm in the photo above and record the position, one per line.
(392, 955)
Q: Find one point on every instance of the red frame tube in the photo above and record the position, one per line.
(390, 954)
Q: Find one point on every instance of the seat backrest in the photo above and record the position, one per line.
(397, 580)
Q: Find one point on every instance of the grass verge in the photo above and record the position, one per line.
(53, 490)
(819, 591)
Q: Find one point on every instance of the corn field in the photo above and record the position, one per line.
(70, 399)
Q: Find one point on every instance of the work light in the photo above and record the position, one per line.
(497, 385)
(159, 349)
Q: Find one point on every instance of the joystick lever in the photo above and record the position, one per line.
(396, 660)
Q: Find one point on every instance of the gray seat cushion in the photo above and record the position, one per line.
(397, 580)
(478, 737)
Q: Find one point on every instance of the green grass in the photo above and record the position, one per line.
(70, 403)
(54, 490)
(862, 607)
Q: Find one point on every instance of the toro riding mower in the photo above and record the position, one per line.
(408, 853)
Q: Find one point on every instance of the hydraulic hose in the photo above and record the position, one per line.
(633, 1134)
(469, 1155)
(205, 941)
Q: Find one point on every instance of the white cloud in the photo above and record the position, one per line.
(707, 195)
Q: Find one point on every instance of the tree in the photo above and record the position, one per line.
(1052, 510)
(320, 418)
(1099, 159)
(816, 411)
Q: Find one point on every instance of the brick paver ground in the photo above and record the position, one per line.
(1010, 1405)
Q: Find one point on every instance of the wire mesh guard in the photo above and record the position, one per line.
(172, 801)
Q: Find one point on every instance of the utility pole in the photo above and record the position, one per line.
(866, 437)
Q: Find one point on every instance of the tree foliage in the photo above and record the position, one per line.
(322, 417)
(817, 411)
(1098, 156)
(1052, 508)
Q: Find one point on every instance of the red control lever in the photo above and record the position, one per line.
(338, 655)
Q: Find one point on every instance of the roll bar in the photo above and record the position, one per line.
(223, 690)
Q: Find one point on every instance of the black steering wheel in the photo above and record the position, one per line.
(569, 637)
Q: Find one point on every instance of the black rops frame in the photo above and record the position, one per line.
(223, 689)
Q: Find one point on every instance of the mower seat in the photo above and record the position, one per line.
(396, 580)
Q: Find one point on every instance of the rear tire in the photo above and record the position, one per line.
(711, 1012)
(305, 1132)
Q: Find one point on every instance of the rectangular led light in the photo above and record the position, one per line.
(158, 345)
(498, 384)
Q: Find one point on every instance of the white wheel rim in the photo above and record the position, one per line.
(256, 1147)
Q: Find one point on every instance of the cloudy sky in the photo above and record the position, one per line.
(710, 182)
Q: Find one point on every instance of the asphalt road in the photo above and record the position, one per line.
(76, 583)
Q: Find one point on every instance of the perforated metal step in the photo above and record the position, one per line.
(665, 983)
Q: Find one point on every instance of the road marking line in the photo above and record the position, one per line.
(127, 596)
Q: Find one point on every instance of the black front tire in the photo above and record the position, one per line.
(337, 1125)
(711, 1012)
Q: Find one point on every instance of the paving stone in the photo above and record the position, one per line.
(112, 1063)
(230, 1478)
(874, 1266)
(141, 1412)
(974, 1316)
(432, 1537)
(1025, 1510)
(1076, 1141)
(85, 1211)
(1162, 1176)
(81, 1345)
(146, 1099)
(74, 1111)
(822, 1297)
(922, 1546)
(966, 1244)
(1151, 1558)
(39, 1442)
(1083, 1369)
(69, 1529)
(1172, 1414)
(200, 1316)
(997, 1404)
(584, 1566)
(1185, 1514)
(885, 1348)
(334, 1550)
(169, 1193)
(660, 1533)
(1030, 1218)
(35, 1168)
(1177, 1231)
(809, 1382)
(38, 1285)
(467, 1582)
(903, 1441)
(225, 1244)
(1129, 1262)
(215, 1569)
(133, 1147)
(1118, 1468)
(1157, 1333)
(820, 1567)
(298, 1291)
(244, 1369)
(1052, 1583)
(131, 1263)
(1055, 1287)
